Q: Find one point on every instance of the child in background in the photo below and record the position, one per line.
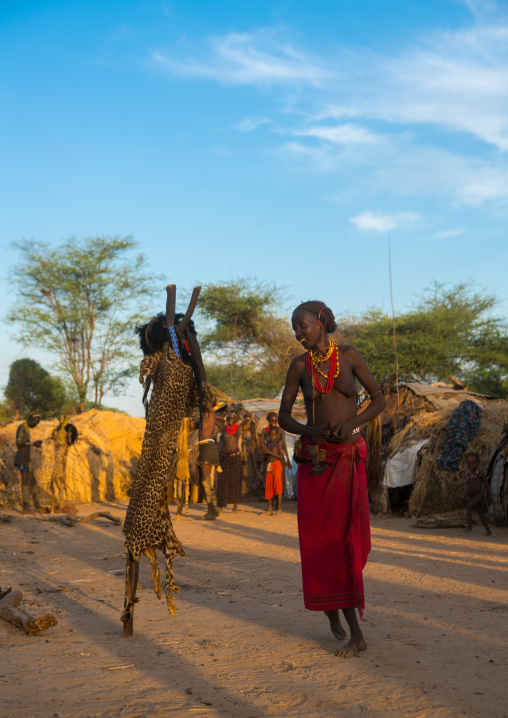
(476, 482)
(273, 455)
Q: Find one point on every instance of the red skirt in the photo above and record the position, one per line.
(273, 485)
(334, 527)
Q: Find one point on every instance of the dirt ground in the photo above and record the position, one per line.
(241, 644)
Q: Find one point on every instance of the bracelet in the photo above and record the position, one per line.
(374, 394)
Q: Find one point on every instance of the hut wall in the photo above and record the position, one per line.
(100, 466)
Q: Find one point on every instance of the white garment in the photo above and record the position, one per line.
(400, 469)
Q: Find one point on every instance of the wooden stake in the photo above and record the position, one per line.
(18, 618)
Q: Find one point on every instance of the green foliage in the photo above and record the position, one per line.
(5, 414)
(80, 301)
(32, 388)
(248, 383)
(245, 328)
(448, 332)
(238, 309)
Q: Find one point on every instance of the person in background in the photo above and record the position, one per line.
(229, 481)
(208, 457)
(477, 486)
(272, 424)
(273, 455)
(22, 460)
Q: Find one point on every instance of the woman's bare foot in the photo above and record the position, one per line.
(267, 512)
(353, 648)
(335, 625)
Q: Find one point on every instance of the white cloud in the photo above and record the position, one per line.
(383, 223)
(480, 7)
(250, 124)
(428, 118)
(486, 184)
(320, 156)
(341, 134)
(249, 59)
(447, 233)
(457, 81)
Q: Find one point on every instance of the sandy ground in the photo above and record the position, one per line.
(241, 643)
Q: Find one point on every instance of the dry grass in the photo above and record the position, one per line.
(435, 490)
(375, 468)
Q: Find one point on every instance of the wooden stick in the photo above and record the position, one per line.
(170, 304)
(131, 584)
(190, 309)
(99, 514)
(11, 598)
(67, 522)
(30, 625)
(55, 517)
(72, 519)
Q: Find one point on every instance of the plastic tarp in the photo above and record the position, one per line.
(290, 478)
(400, 469)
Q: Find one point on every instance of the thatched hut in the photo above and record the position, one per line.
(435, 490)
(100, 465)
(414, 398)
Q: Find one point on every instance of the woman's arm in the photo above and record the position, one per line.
(377, 403)
(318, 434)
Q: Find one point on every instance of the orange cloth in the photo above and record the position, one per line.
(273, 485)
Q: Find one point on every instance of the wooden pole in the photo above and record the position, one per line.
(233, 348)
(393, 331)
(190, 309)
(170, 304)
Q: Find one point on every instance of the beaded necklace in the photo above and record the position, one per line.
(333, 372)
(231, 429)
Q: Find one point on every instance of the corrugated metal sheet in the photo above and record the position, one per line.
(442, 397)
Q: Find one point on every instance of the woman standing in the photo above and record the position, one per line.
(333, 503)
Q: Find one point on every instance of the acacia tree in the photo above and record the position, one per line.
(80, 301)
(448, 331)
(247, 335)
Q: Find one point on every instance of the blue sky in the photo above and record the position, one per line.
(282, 140)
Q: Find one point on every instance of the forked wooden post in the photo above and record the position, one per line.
(132, 566)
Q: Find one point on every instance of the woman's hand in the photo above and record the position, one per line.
(319, 434)
(38, 443)
(341, 432)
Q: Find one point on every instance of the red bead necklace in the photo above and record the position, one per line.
(231, 429)
(332, 372)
